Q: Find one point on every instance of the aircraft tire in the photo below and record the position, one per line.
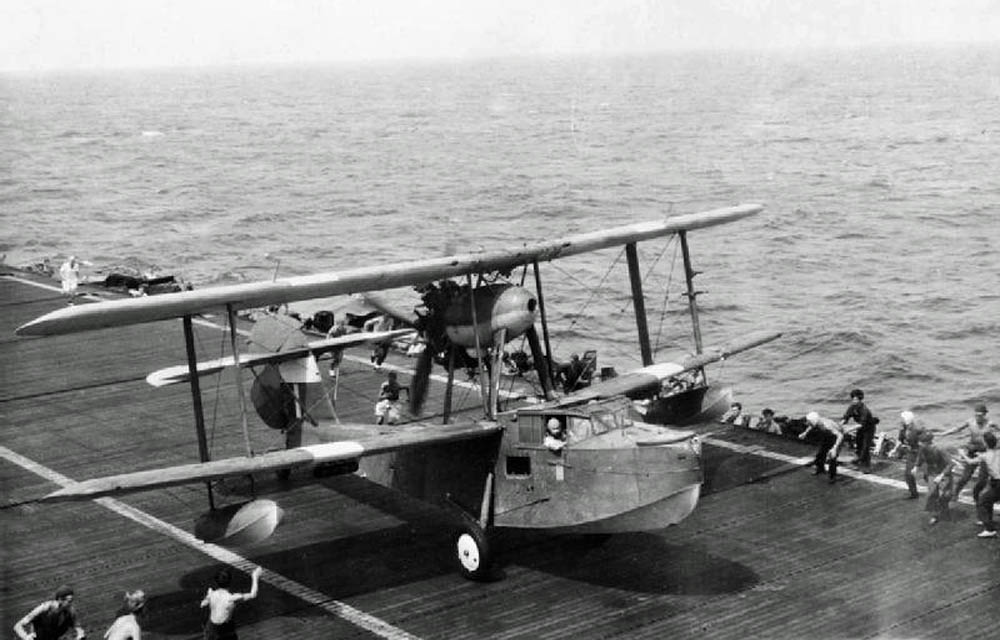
(473, 553)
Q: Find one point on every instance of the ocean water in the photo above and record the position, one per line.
(878, 254)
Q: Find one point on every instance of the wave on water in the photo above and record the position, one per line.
(875, 252)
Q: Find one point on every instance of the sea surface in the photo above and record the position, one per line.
(877, 255)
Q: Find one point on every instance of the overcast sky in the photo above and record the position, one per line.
(62, 34)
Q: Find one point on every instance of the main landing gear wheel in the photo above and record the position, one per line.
(472, 550)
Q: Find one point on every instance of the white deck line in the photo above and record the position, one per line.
(759, 450)
(335, 608)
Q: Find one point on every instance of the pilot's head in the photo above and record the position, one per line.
(554, 427)
(906, 417)
(812, 418)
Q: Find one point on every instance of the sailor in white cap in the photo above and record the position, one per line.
(831, 437)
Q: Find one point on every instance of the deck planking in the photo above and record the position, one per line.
(784, 556)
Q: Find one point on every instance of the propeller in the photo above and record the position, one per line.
(448, 326)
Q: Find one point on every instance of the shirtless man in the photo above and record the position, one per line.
(976, 426)
(221, 603)
(126, 625)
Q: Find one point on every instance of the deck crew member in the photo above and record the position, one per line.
(379, 349)
(387, 407)
(735, 416)
(940, 468)
(69, 274)
(51, 619)
(865, 435)
(221, 603)
(977, 426)
(831, 438)
(909, 435)
(767, 423)
(990, 468)
(126, 624)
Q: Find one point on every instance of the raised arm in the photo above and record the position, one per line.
(254, 578)
(21, 627)
(207, 599)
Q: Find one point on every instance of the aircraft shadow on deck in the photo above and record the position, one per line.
(420, 549)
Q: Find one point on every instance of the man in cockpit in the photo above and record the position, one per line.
(555, 435)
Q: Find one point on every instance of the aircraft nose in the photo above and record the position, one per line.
(516, 310)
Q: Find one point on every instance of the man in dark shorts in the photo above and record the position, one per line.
(865, 435)
(831, 437)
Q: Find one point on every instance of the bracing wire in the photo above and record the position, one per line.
(666, 299)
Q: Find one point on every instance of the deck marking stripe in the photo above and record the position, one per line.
(759, 450)
(336, 608)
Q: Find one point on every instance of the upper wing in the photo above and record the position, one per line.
(181, 373)
(260, 294)
(408, 436)
(648, 379)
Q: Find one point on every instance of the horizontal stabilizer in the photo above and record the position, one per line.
(413, 435)
(181, 373)
(646, 381)
(116, 313)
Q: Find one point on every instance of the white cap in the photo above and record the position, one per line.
(907, 417)
(812, 417)
(553, 424)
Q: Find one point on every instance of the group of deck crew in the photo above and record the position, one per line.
(946, 471)
(52, 619)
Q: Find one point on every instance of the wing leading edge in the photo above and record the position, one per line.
(261, 294)
(412, 435)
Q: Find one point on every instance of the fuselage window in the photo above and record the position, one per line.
(579, 429)
(518, 466)
(529, 430)
(602, 422)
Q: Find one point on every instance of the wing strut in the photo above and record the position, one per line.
(239, 376)
(483, 390)
(448, 390)
(639, 303)
(199, 413)
(692, 295)
(547, 382)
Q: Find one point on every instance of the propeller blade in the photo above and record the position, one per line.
(421, 380)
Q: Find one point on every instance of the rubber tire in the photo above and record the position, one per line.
(473, 553)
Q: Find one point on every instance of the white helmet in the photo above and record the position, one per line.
(907, 417)
(553, 425)
(812, 417)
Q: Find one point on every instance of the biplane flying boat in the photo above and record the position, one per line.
(577, 463)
